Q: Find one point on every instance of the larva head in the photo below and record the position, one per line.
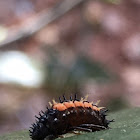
(39, 131)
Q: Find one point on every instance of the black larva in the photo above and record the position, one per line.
(67, 116)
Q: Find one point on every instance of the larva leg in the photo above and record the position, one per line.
(93, 126)
(82, 129)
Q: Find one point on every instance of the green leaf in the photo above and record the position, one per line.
(19, 135)
(125, 127)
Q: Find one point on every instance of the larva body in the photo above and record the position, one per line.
(66, 116)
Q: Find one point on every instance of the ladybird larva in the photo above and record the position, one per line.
(69, 115)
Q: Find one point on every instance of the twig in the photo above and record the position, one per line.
(40, 21)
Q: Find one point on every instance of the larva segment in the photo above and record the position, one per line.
(78, 104)
(95, 108)
(59, 106)
(69, 104)
(88, 105)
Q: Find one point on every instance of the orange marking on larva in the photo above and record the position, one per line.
(59, 107)
(69, 104)
(95, 108)
(78, 104)
(89, 105)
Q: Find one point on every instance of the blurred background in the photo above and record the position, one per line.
(53, 47)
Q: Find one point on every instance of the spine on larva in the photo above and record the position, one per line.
(41, 129)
